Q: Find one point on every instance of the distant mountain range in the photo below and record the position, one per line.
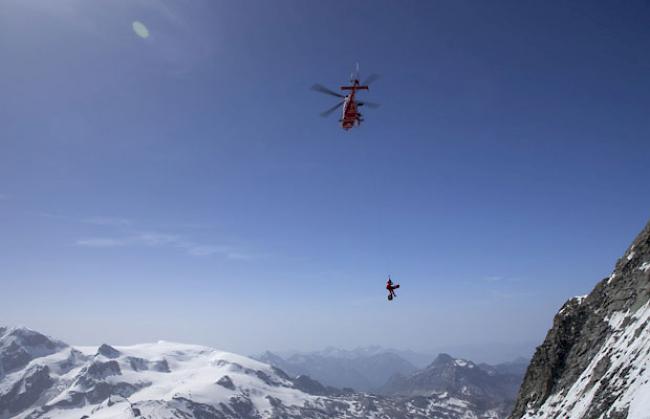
(488, 387)
(486, 352)
(41, 377)
(369, 369)
(362, 370)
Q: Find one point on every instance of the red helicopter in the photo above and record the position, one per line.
(351, 105)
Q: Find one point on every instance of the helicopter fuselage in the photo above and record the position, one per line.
(351, 115)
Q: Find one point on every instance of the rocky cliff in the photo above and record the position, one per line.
(594, 360)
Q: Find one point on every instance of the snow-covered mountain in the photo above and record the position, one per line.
(489, 388)
(595, 360)
(362, 369)
(45, 378)
(41, 377)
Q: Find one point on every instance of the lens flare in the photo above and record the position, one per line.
(140, 29)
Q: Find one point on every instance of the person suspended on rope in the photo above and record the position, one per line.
(391, 289)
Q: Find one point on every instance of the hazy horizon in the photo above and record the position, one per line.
(164, 173)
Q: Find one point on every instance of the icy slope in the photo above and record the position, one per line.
(594, 362)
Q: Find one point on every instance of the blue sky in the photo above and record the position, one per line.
(183, 187)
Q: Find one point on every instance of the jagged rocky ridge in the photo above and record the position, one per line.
(44, 378)
(594, 362)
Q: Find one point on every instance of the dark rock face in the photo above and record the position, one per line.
(243, 407)
(186, 408)
(103, 390)
(74, 359)
(108, 351)
(280, 373)
(585, 341)
(568, 347)
(310, 386)
(160, 366)
(226, 382)
(140, 364)
(27, 390)
(97, 371)
(18, 346)
(267, 379)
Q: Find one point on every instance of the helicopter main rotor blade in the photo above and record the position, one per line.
(332, 109)
(322, 89)
(372, 105)
(370, 79)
